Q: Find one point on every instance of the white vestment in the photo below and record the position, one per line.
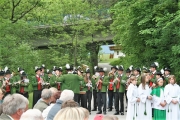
(132, 95)
(157, 100)
(145, 107)
(172, 92)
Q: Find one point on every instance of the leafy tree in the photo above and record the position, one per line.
(15, 34)
(148, 31)
(70, 24)
(76, 23)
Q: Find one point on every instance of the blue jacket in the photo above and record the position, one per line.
(54, 110)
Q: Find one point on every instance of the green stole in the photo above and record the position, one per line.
(157, 91)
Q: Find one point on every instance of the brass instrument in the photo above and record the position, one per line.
(42, 81)
(89, 83)
(7, 83)
(99, 84)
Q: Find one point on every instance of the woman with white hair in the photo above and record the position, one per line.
(32, 114)
(13, 107)
(72, 113)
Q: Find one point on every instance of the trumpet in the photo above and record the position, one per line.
(7, 82)
(89, 83)
(94, 77)
(42, 81)
(16, 83)
(115, 79)
(98, 82)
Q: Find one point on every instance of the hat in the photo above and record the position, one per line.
(154, 65)
(102, 69)
(6, 70)
(74, 72)
(131, 67)
(96, 68)
(167, 69)
(79, 68)
(19, 69)
(58, 68)
(23, 74)
(128, 70)
(98, 117)
(158, 73)
(37, 68)
(1, 73)
(121, 68)
(49, 71)
(138, 69)
(146, 70)
(87, 70)
(43, 66)
(69, 67)
(115, 67)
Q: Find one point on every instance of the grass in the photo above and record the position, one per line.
(104, 58)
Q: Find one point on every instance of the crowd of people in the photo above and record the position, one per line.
(148, 92)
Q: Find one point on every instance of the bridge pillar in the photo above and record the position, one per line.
(94, 50)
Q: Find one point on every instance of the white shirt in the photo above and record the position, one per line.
(46, 111)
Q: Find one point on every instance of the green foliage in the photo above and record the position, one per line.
(148, 31)
(14, 48)
(115, 62)
(65, 26)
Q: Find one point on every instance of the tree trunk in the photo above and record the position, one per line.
(94, 50)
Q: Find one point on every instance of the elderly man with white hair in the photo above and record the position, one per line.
(32, 114)
(65, 96)
(45, 100)
(14, 106)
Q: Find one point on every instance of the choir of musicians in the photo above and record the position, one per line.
(148, 92)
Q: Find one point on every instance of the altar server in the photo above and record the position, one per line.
(172, 91)
(159, 103)
(133, 100)
(145, 109)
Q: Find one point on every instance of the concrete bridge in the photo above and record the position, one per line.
(47, 40)
(92, 41)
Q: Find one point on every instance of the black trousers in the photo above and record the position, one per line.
(7, 93)
(36, 96)
(95, 98)
(83, 100)
(126, 96)
(89, 98)
(110, 96)
(25, 94)
(101, 96)
(76, 97)
(119, 96)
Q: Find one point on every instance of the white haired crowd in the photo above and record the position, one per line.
(15, 107)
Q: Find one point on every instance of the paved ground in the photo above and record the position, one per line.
(105, 65)
(121, 117)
